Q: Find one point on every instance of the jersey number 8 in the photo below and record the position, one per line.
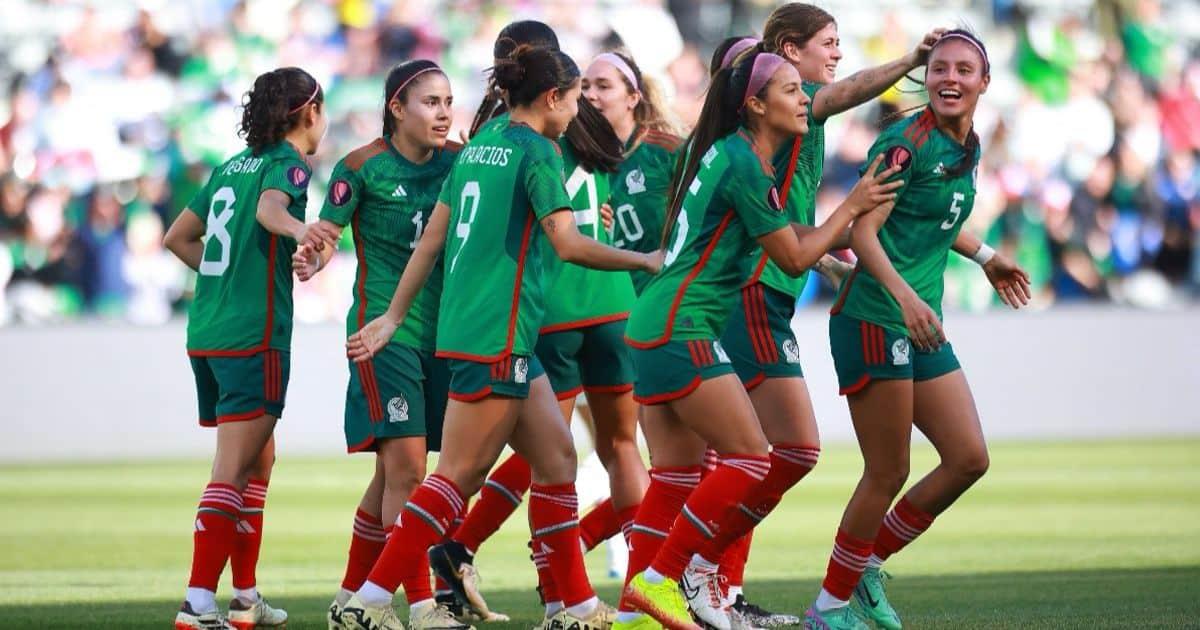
(215, 231)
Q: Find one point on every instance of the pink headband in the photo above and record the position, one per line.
(765, 66)
(617, 62)
(982, 53)
(307, 100)
(416, 74)
(736, 49)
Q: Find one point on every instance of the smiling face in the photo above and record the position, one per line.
(424, 116)
(816, 59)
(608, 91)
(954, 79)
(784, 106)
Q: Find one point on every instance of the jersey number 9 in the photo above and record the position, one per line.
(468, 203)
(216, 234)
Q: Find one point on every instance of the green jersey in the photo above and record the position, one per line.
(730, 203)
(504, 182)
(577, 296)
(930, 210)
(495, 124)
(801, 162)
(387, 200)
(243, 297)
(640, 193)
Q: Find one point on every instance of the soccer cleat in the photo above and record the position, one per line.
(840, 618)
(663, 601)
(434, 616)
(643, 622)
(704, 595)
(760, 617)
(358, 616)
(451, 562)
(188, 619)
(260, 614)
(334, 615)
(600, 618)
(871, 597)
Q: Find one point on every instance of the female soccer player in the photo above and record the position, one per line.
(761, 346)
(503, 182)
(724, 205)
(239, 233)
(396, 400)
(892, 359)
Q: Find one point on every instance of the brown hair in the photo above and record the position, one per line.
(272, 107)
(651, 111)
(794, 22)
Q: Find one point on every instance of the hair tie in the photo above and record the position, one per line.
(738, 47)
(617, 62)
(765, 66)
(987, 66)
(416, 74)
(308, 100)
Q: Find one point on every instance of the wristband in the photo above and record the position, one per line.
(984, 255)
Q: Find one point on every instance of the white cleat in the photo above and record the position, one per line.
(260, 614)
(702, 589)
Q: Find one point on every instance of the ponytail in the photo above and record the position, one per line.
(272, 107)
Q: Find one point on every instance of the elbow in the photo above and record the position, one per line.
(568, 250)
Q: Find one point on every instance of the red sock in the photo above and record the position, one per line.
(626, 517)
(499, 498)
(722, 490)
(554, 520)
(901, 526)
(599, 525)
(248, 541)
(366, 543)
(669, 489)
(789, 464)
(440, 587)
(422, 523)
(711, 459)
(732, 564)
(846, 564)
(418, 585)
(541, 562)
(215, 534)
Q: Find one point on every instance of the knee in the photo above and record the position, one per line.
(972, 466)
(556, 466)
(888, 478)
(403, 476)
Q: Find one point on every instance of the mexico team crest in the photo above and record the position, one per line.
(900, 351)
(791, 351)
(398, 409)
(635, 181)
(521, 370)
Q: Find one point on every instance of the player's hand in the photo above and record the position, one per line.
(920, 54)
(833, 269)
(370, 339)
(306, 262)
(654, 261)
(606, 216)
(924, 327)
(873, 189)
(317, 235)
(1009, 279)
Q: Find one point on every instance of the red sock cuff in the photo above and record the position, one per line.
(680, 476)
(255, 494)
(912, 515)
(857, 546)
(221, 497)
(755, 466)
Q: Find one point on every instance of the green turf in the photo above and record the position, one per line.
(1078, 535)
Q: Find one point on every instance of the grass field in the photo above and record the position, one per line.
(1059, 535)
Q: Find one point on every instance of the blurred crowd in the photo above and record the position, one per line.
(114, 112)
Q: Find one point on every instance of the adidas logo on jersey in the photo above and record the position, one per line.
(940, 169)
(399, 192)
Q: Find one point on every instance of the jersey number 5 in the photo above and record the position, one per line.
(955, 212)
(468, 203)
(216, 234)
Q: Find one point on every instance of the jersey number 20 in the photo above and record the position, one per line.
(216, 234)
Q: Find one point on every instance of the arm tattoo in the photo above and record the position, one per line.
(550, 226)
